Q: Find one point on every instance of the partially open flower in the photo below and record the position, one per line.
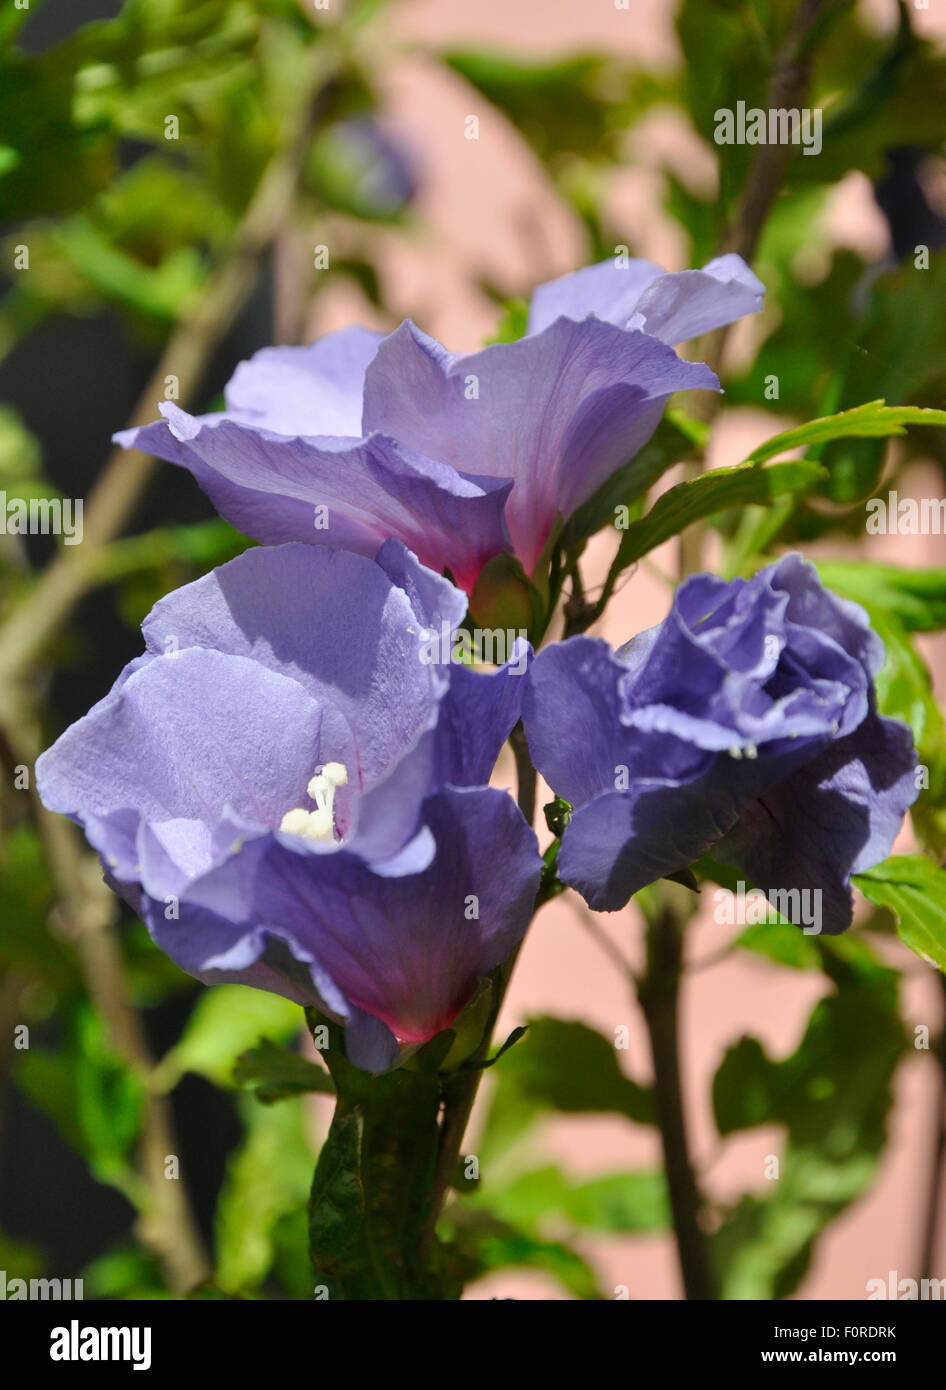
(744, 726)
(359, 437)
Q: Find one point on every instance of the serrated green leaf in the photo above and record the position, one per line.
(712, 492)
(873, 420)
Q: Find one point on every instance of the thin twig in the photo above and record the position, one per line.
(937, 1187)
(595, 930)
(36, 620)
(788, 86)
(86, 911)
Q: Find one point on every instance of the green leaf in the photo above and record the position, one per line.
(512, 326)
(267, 1178)
(572, 104)
(163, 292)
(21, 1261)
(712, 492)
(227, 1020)
(743, 1087)
(833, 1096)
(915, 597)
(558, 813)
(782, 943)
(20, 453)
(487, 1243)
(899, 602)
(873, 420)
(564, 1066)
(94, 1098)
(905, 691)
(276, 1073)
(914, 889)
(27, 895)
(631, 1202)
(505, 598)
(126, 1272)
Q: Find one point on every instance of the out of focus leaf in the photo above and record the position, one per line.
(267, 1178)
(204, 545)
(904, 691)
(901, 601)
(95, 1099)
(916, 598)
(162, 292)
(52, 164)
(126, 1273)
(487, 1244)
(560, 1066)
(109, 1100)
(276, 1073)
(20, 454)
(612, 1202)
(19, 1260)
(227, 1021)
(27, 894)
(833, 1096)
(780, 942)
(513, 324)
(914, 888)
(574, 104)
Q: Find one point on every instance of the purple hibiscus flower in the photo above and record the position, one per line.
(744, 725)
(672, 306)
(359, 437)
(289, 787)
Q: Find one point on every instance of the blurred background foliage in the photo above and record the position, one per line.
(148, 160)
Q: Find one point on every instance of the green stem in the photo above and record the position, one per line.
(460, 1091)
(659, 995)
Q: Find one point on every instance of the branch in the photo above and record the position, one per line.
(787, 88)
(659, 995)
(937, 1180)
(86, 909)
(37, 619)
